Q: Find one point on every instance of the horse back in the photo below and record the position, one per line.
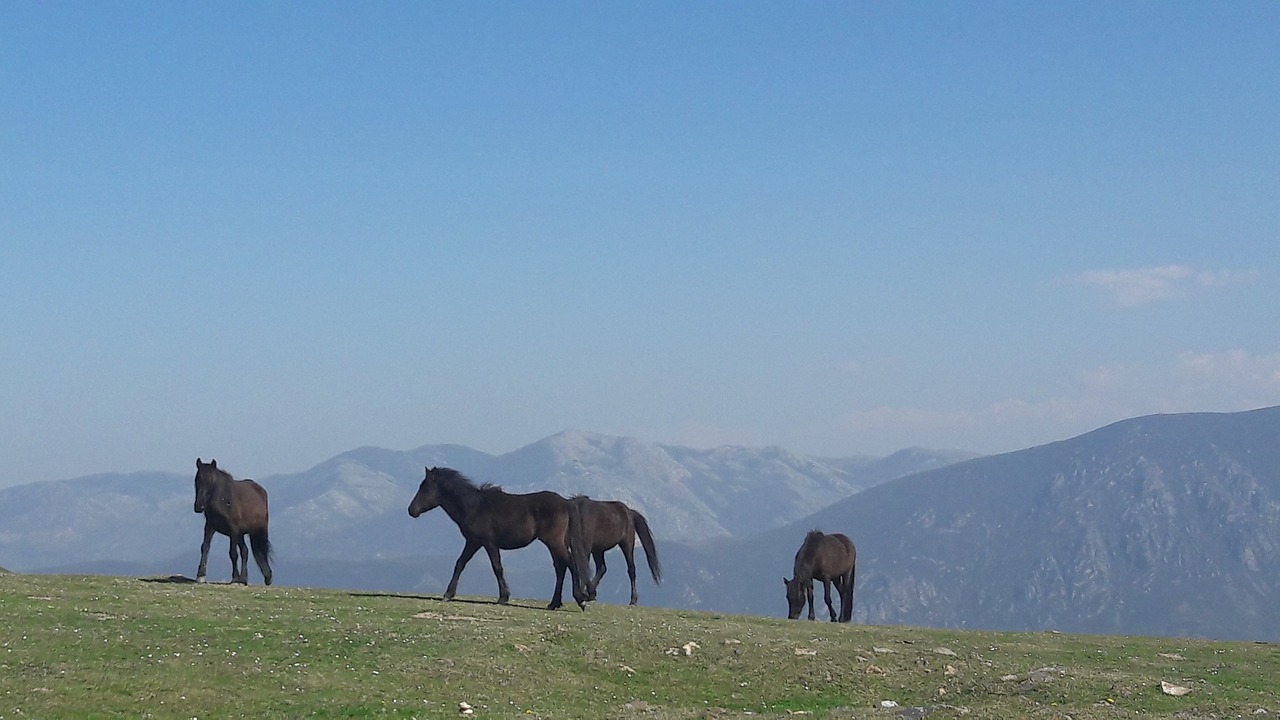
(514, 520)
(606, 522)
(843, 553)
(249, 504)
(825, 556)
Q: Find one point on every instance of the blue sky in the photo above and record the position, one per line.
(272, 233)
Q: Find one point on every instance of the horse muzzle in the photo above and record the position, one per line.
(199, 508)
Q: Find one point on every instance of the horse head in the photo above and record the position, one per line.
(207, 475)
(428, 495)
(795, 597)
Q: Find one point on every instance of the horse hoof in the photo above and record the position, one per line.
(201, 579)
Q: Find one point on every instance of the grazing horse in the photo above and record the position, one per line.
(234, 508)
(609, 524)
(495, 520)
(829, 558)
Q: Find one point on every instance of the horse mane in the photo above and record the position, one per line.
(814, 535)
(218, 472)
(463, 488)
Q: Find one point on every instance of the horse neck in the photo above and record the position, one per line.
(459, 501)
(807, 561)
(802, 571)
(221, 494)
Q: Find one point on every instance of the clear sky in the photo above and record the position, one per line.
(270, 233)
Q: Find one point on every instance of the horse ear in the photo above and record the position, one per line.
(198, 463)
(213, 463)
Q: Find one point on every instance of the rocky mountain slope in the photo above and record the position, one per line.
(1157, 525)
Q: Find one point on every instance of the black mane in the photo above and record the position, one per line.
(463, 489)
(455, 483)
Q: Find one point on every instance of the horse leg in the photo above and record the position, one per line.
(495, 559)
(234, 553)
(826, 590)
(846, 611)
(244, 559)
(629, 552)
(468, 551)
(239, 560)
(204, 552)
(846, 597)
(564, 560)
(808, 595)
(600, 571)
(557, 599)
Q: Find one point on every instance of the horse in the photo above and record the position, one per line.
(609, 524)
(489, 517)
(829, 558)
(234, 508)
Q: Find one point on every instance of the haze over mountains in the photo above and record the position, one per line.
(353, 506)
(1158, 525)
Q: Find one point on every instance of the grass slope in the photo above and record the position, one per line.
(90, 647)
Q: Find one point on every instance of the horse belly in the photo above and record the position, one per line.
(514, 538)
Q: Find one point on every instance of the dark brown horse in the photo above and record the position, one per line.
(608, 524)
(829, 558)
(234, 508)
(495, 520)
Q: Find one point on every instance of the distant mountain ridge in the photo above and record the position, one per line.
(1162, 525)
(1165, 525)
(352, 506)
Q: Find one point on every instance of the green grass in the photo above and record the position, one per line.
(89, 647)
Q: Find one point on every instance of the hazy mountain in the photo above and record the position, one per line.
(101, 517)
(1161, 525)
(352, 508)
(1164, 525)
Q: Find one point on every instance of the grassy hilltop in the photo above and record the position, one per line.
(111, 647)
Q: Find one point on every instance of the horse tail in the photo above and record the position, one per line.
(650, 550)
(261, 543)
(262, 552)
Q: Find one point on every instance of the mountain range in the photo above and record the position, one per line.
(1163, 525)
(352, 508)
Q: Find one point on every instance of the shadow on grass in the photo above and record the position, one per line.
(521, 605)
(171, 579)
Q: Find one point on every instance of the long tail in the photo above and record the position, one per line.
(261, 544)
(579, 549)
(846, 602)
(650, 550)
(262, 552)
